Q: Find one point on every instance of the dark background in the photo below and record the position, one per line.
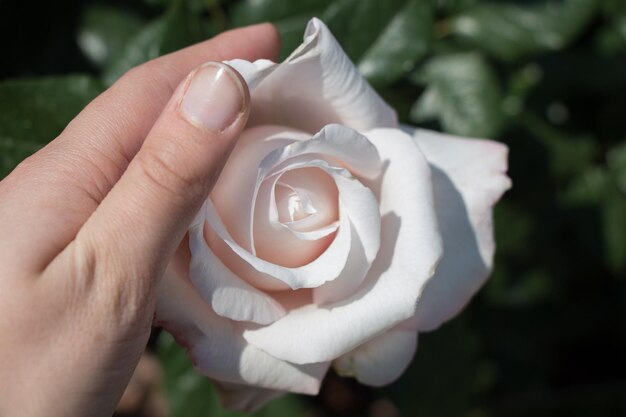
(547, 334)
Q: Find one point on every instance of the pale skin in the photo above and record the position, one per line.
(89, 223)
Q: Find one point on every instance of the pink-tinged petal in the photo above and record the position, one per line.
(228, 295)
(353, 150)
(244, 398)
(469, 177)
(409, 251)
(292, 300)
(233, 192)
(381, 360)
(316, 85)
(352, 276)
(274, 240)
(360, 205)
(216, 345)
(270, 276)
(303, 200)
(360, 212)
(338, 145)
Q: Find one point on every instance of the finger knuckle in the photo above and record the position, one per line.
(166, 169)
(135, 74)
(144, 76)
(102, 277)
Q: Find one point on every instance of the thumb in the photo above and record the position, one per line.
(146, 214)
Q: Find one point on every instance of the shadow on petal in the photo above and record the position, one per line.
(461, 271)
(390, 229)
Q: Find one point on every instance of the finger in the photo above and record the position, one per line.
(48, 198)
(143, 219)
(143, 91)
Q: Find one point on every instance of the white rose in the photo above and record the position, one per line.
(332, 236)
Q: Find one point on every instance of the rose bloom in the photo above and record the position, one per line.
(333, 236)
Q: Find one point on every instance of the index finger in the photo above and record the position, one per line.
(51, 195)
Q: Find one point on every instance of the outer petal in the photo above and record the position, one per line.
(315, 86)
(410, 249)
(229, 295)
(468, 178)
(217, 347)
(244, 398)
(352, 276)
(338, 145)
(381, 360)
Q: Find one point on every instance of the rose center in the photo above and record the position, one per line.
(296, 216)
(293, 204)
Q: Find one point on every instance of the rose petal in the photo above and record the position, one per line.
(253, 72)
(316, 85)
(362, 208)
(381, 360)
(317, 194)
(266, 275)
(410, 249)
(338, 145)
(276, 242)
(292, 300)
(345, 147)
(469, 177)
(233, 192)
(228, 295)
(351, 277)
(244, 398)
(334, 142)
(359, 210)
(217, 347)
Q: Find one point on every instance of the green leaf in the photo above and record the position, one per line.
(406, 39)
(183, 26)
(141, 48)
(254, 11)
(189, 394)
(290, 17)
(462, 91)
(611, 36)
(569, 154)
(291, 33)
(611, 39)
(195, 5)
(391, 36)
(616, 161)
(357, 24)
(104, 32)
(602, 188)
(440, 380)
(193, 395)
(588, 188)
(613, 7)
(614, 225)
(614, 212)
(35, 111)
(529, 288)
(510, 31)
(453, 6)
(176, 29)
(513, 228)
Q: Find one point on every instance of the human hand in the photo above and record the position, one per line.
(89, 223)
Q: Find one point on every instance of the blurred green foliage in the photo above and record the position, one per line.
(547, 335)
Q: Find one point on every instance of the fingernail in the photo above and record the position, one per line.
(215, 97)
